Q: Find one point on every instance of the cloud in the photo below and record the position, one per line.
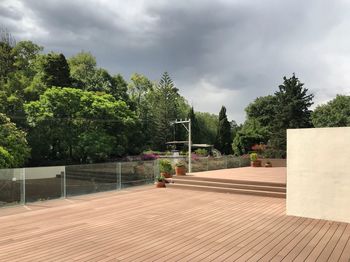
(218, 52)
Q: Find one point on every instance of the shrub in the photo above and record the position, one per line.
(201, 152)
(180, 163)
(253, 157)
(165, 166)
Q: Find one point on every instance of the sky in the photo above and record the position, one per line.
(223, 52)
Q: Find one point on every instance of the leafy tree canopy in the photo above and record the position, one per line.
(335, 113)
(14, 150)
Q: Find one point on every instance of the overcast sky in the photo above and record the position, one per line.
(224, 52)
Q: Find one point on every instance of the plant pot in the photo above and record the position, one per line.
(256, 163)
(180, 171)
(160, 184)
(268, 165)
(166, 175)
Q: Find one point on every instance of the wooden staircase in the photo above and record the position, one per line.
(257, 188)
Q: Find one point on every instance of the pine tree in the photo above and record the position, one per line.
(224, 136)
(165, 98)
(292, 111)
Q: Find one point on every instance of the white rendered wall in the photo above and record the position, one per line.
(318, 173)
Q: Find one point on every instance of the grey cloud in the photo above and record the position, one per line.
(240, 49)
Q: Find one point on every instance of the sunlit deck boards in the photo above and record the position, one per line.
(168, 225)
(261, 174)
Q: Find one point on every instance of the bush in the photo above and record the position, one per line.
(253, 157)
(201, 152)
(165, 166)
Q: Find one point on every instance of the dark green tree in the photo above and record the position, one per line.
(194, 127)
(55, 70)
(224, 136)
(335, 113)
(208, 126)
(292, 111)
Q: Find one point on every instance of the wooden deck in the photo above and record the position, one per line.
(149, 224)
(260, 174)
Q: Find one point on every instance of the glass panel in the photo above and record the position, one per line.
(233, 162)
(11, 186)
(244, 161)
(137, 173)
(91, 178)
(199, 164)
(217, 163)
(43, 183)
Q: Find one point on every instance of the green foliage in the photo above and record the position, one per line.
(208, 125)
(180, 163)
(201, 152)
(195, 131)
(167, 105)
(335, 113)
(79, 126)
(253, 157)
(251, 133)
(292, 111)
(165, 166)
(263, 110)
(53, 70)
(14, 150)
(224, 137)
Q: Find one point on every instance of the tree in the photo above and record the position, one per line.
(82, 68)
(251, 133)
(335, 113)
(194, 127)
(263, 110)
(138, 87)
(167, 105)
(14, 150)
(54, 70)
(25, 54)
(78, 126)
(292, 111)
(119, 89)
(224, 137)
(208, 125)
(7, 42)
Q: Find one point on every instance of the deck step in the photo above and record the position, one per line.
(246, 187)
(223, 180)
(230, 185)
(228, 190)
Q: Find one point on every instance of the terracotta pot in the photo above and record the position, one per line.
(160, 184)
(166, 175)
(256, 163)
(180, 171)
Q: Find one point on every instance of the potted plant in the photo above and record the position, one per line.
(160, 181)
(254, 161)
(180, 168)
(268, 164)
(165, 168)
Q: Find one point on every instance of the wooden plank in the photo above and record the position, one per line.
(171, 225)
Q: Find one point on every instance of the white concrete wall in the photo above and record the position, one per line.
(318, 173)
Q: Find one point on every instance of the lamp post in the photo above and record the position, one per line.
(188, 128)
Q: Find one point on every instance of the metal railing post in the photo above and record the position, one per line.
(64, 183)
(23, 200)
(119, 176)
